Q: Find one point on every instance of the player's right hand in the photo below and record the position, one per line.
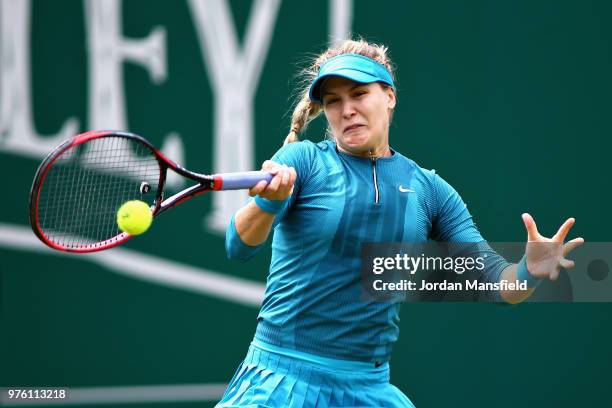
(281, 186)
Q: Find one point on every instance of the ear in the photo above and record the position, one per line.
(391, 96)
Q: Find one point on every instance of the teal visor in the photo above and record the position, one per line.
(350, 66)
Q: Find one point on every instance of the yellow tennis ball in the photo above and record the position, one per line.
(134, 217)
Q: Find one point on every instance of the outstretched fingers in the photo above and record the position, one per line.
(569, 246)
(530, 226)
(563, 230)
(566, 263)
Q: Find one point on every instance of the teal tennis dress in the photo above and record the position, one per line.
(317, 344)
(270, 378)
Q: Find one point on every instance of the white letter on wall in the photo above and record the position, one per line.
(234, 74)
(340, 21)
(17, 129)
(107, 51)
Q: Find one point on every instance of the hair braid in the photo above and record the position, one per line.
(304, 112)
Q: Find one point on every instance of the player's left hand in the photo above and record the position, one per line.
(546, 256)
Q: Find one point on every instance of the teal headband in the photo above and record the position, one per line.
(355, 67)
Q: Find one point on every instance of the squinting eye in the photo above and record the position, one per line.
(360, 93)
(330, 101)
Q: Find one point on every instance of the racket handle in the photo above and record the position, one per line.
(242, 180)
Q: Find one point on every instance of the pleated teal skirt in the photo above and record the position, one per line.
(269, 379)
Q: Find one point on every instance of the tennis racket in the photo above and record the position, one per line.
(81, 184)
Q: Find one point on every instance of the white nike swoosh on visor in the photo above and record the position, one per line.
(405, 190)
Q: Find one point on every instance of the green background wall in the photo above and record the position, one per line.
(507, 100)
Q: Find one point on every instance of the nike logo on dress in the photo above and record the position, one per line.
(405, 190)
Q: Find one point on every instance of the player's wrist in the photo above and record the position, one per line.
(523, 274)
(270, 206)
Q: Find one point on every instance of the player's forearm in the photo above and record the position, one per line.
(513, 296)
(253, 224)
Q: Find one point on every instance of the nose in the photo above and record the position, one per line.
(348, 110)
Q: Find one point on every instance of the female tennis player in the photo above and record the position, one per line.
(316, 343)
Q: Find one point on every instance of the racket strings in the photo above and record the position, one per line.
(87, 184)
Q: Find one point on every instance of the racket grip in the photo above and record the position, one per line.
(242, 180)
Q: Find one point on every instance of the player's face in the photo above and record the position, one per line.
(358, 115)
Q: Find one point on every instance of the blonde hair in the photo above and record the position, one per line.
(305, 110)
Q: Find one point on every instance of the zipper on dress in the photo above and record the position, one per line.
(376, 193)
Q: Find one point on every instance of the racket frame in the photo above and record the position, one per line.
(204, 183)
